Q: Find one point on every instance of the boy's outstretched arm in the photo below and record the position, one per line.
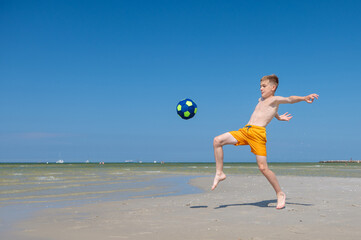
(296, 99)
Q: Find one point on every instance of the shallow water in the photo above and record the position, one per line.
(289, 169)
(35, 183)
(38, 183)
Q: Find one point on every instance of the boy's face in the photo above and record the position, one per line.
(267, 89)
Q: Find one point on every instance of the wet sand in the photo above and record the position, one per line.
(242, 207)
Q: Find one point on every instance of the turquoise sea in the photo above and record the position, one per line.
(27, 187)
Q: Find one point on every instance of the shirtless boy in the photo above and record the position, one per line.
(254, 133)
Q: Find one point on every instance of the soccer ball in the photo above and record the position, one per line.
(186, 109)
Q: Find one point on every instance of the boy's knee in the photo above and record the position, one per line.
(217, 141)
(262, 168)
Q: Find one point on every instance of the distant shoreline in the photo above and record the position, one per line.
(159, 163)
(341, 161)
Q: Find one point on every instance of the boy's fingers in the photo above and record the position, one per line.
(314, 95)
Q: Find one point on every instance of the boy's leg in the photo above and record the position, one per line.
(218, 143)
(271, 177)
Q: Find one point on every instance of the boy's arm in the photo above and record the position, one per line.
(296, 99)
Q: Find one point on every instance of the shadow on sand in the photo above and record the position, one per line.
(262, 204)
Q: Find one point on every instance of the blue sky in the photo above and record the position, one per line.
(100, 80)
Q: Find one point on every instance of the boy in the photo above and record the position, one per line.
(254, 133)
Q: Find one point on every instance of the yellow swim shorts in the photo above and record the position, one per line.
(254, 136)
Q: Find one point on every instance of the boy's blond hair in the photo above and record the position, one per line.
(272, 79)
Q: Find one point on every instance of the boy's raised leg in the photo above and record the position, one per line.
(271, 177)
(218, 144)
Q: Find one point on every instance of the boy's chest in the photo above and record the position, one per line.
(265, 106)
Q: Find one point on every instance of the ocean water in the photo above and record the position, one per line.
(289, 169)
(25, 188)
(39, 183)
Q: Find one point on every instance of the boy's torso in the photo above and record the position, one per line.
(264, 112)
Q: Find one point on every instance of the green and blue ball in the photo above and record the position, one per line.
(186, 109)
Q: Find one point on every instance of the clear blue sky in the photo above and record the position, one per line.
(100, 80)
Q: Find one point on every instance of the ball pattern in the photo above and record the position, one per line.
(186, 109)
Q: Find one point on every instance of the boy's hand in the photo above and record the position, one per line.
(285, 117)
(311, 97)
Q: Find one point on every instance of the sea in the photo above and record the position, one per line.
(28, 187)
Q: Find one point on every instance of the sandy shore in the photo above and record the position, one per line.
(242, 207)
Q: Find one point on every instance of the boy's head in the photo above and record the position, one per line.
(269, 85)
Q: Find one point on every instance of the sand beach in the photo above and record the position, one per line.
(242, 207)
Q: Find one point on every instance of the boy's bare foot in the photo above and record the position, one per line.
(281, 200)
(217, 179)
